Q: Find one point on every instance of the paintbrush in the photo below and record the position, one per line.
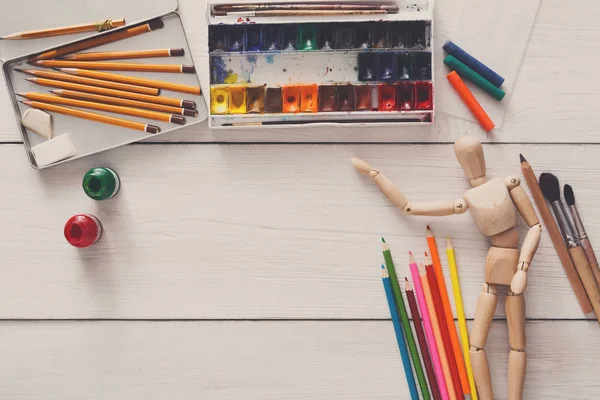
(551, 190)
(583, 237)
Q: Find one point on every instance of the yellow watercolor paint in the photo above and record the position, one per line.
(237, 100)
(219, 100)
(231, 78)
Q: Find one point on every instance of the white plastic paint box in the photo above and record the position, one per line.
(282, 71)
(90, 137)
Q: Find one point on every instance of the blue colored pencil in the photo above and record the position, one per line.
(473, 63)
(410, 378)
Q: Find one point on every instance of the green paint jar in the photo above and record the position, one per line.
(101, 183)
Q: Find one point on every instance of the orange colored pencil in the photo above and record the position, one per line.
(40, 73)
(437, 333)
(470, 101)
(435, 294)
(116, 66)
(124, 55)
(115, 93)
(111, 37)
(124, 102)
(135, 112)
(99, 26)
(449, 318)
(175, 87)
(138, 126)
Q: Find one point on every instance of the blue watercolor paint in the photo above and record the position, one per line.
(251, 59)
(269, 59)
(218, 70)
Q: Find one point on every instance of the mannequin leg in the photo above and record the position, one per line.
(484, 313)
(517, 359)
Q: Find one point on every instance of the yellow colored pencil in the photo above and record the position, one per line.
(462, 323)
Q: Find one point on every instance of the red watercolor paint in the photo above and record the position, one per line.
(406, 96)
(83, 230)
(423, 96)
(291, 99)
(387, 97)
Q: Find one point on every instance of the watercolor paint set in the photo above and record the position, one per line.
(282, 64)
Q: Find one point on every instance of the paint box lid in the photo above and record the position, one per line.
(46, 14)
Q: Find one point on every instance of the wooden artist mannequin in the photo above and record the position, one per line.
(492, 203)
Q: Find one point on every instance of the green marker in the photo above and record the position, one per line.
(101, 183)
(468, 74)
(410, 339)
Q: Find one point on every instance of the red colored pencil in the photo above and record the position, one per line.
(439, 311)
(416, 317)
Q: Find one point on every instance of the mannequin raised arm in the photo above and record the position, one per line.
(393, 193)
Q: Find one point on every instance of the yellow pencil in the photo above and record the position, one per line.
(462, 323)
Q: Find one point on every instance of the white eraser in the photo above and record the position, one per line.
(38, 122)
(53, 150)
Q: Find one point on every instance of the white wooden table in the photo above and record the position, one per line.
(250, 271)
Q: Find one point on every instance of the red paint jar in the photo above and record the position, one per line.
(83, 230)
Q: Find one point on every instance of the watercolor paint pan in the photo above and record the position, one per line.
(90, 137)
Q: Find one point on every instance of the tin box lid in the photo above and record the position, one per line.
(20, 16)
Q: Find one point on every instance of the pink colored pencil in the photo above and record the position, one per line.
(435, 357)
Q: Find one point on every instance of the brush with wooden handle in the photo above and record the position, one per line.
(583, 237)
(551, 189)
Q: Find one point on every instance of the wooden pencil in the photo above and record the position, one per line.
(99, 26)
(416, 317)
(175, 87)
(439, 275)
(40, 73)
(436, 326)
(135, 112)
(111, 37)
(116, 66)
(72, 94)
(439, 310)
(138, 126)
(410, 378)
(389, 263)
(124, 55)
(303, 6)
(460, 313)
(556, 236)
(115, 93)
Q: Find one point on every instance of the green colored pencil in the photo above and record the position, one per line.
(414, 354)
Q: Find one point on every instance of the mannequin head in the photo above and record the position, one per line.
(469, 153)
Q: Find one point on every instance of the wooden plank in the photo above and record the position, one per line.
(262, 360)
(264, 231)
(553, 100)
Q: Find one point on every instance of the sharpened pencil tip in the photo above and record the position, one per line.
(428, 228)
(448, 243)
(20, 94)
(522, 158)
(426, 255)
(411, 258)
(382, 239)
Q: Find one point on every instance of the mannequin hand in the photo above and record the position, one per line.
(519, 282)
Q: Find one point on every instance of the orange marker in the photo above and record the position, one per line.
(291, 98)
(470, 101)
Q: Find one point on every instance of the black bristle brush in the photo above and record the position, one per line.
(551, 190)
(583, 237)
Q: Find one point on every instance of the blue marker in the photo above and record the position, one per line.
(410, 378)
(473, 63)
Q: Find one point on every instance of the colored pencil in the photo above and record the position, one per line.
(124, 102)
(460, 313)
(430, 337)
(556, 236)
(410, 379)
(114, 93)
(92, 116)
(124, 55)
(40, 73)
(389, 263)
(437, 333)
(99, 26)
(132, 80)
(111, 37)
(439, 275)
(135, 112)
(414, 312)
(116, 66)
(304, 6)
(439, 310)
